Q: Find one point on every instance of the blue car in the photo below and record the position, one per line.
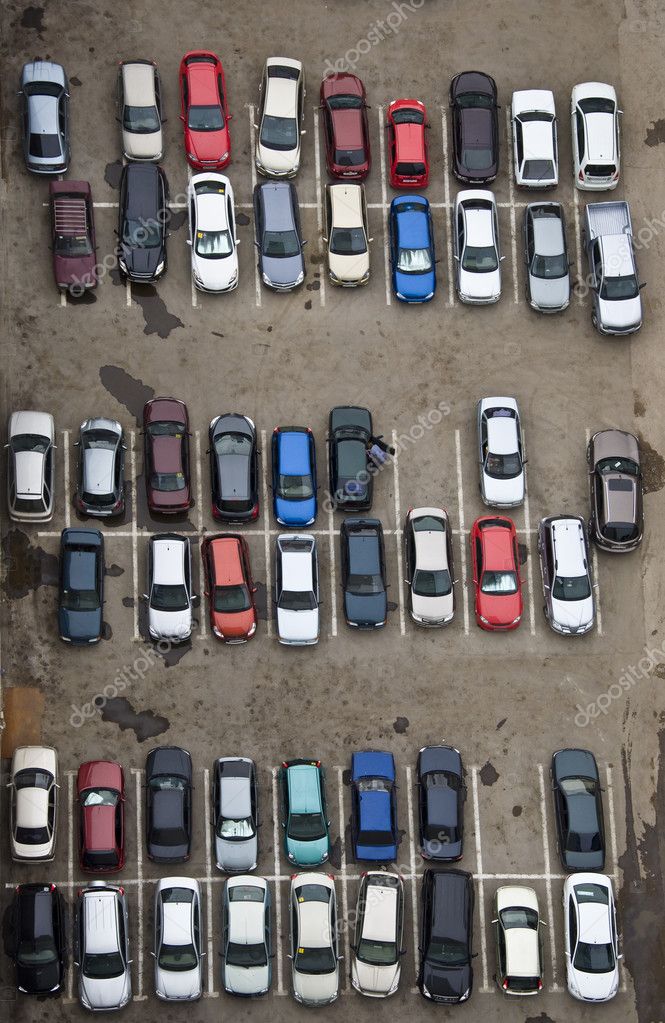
(373, 806)
(81, 589)
(412, 249)
(294, 475)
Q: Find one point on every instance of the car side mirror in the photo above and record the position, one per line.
(229, 117)
(152, 954)
(289, 956)
(642, 285)
(195, 599)
(370, 239)
(182, 117)
(144, 596)
(495, 921)
(326, 240)
(620, 956)
(474, 955)
(189, 241)
(455, 257)
(303, 131)
(256, 127)
(501, 259)
(254, 589)
(304, 243)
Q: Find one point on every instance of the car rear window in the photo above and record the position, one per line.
(350, 157)
(29, 505)
(281, 71)
(103, 965)
(79, 600)
(599, 170)
(32, 836)
(410, 170)
(538, 170)
(72, 245)
(101, 858)
(522, 984)
(168, 482)
(479, 159)
(408, 115)
(45, 146)
(432, 584)
(621, 532)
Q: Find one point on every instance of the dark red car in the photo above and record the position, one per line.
(496, 573)
(229, 587)
(475, 129)
(204, 110)
(73, 236)
(101, 794)
(166, 453)
(345, 129)
(407, 144)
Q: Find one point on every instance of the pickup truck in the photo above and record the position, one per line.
(73, 236)
(608, 240)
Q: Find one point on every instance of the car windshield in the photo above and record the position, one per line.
(432, 584)
(414, 261)
(538, 170)
(499, 583)
(178, 957)
(141, 120)
(519, 916)
(447, 951)
(315, 960)
(30, 442)
(100, 797)
(246, 955)
(168, 482)
(480, 259)
(233, 444)
(280, 244)
(594, 958)
(623, 465)
(580, 841)
(229, 599)
(205, 119)
(45, 146)
(214, 244)
(616, 289)
(72, 245)
(245, 893)
(571, 587)
(408, 115)
(167, 428)
(468, 100)
(169, 598)
(350, 157)
(99, 440)
(235, 830)
(364, 585)
(306, 827)
(142, 234)
(295, 488)
(549, 267)
(377, 953)
(297, 600)
(279, 133)
(348, 241)
(103, 965)
(345, 103)
(503, 467)
(40, 952)
(79, 600)
(477, 158)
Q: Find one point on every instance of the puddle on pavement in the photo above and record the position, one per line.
(112, 173)
(158, 320)
(145, 724)
(26, 567)
(129, 391)
(488, 774)
(653, 467)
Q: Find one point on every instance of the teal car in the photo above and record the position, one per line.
(306, 835)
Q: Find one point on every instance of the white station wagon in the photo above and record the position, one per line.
(31, 468)
(33, 788)
(377, 947)
(170, 598)
(594, 117)
(518, 936)
(297, 589)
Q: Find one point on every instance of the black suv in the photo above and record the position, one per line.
(473, 99)
(142, 220)
(168, 783)
(37, 941)
(446, 936)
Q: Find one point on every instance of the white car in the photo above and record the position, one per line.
(428, 554)
(31, 466)
(178, 939)
(212, 233)
(170, 598)
(102, 946)
(594, 115)
(564, 564)
(518, 938)
(347, 235)
(33, 784)
(500, 452)
(377, 945)
(591, 943)
(139, 104)
(476, 247)
(246, 936)
(534, 138)
(281, 111)
(297, 589)
(314, 937)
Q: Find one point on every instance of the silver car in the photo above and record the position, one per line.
(139, 104)
(102, 947)
(428, 556)
(278, 235)
(546, 257)
(178, 939)
(101, 468)
(246, 936)
(564, 563)
(235, 814)
(31, 466)
(44, 96)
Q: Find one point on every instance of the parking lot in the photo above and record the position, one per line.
(507, 701)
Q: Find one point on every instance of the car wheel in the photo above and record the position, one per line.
(594, 320)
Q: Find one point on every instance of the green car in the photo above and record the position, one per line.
(306, 837)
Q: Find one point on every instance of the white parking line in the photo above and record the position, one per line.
(481, 886)
(594, 564)
(548, 879)
(398, 537)
(319, 207)
(63, 300)
(447, 203)
(138, 774)
(578, 242)
(412, 866)
(613, 829)
(211, 993)
(252, 146)
(342, 873)
(277, 840)
(511, 192)
(331, 555)
(65, 458)
(202, 632)
(266, 530)
(135, 552)
(191, 275)
(128, 292)
(529, 565)
(462, 531)
(384, 200)
(70, 859)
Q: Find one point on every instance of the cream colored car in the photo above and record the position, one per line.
(33, 788)
(347, 235)
(139, 104)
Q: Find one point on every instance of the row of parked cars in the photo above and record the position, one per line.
(447, 895)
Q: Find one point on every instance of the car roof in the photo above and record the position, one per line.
(281, 98)
(410, 141)
(431, 550)
(502, 435)
(479, 226)
(139, 83)
(36, 903)
(617, 256)
(547, 233)
(304, 788)
(201, 76)
(569, 546)
(143, 189)
(347, 206)
(211, 211)
(498, 554)
(413, 223)
(177, 922)
(538, 140)
(100, 919)
(235, 793)
(380, 920)
(450, 904)
(314, 917)
(349, 128)
(297, 569)
(246, 922)
(372, 763)
(225, 554)
(294, 452)
(276, 197)
(168, 559)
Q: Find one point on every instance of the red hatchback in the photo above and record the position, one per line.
(101, 794)
(229, 587)
(204, 111)
(345, 129)
(407, 144)
(166, 453)
(496, 574)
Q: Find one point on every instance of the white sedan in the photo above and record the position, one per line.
(33, 788)
(314, 939)
(476, 247)
(533, 119)
(590, 937)
(178, 939)
(212, 233)
(169, 597)
(501, 454)
(297, 589)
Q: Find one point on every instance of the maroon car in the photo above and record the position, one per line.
(473, 98)
(101, 794)
(73, 236)
(345, 130)
(166, 450)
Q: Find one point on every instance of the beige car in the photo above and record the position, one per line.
(347, 235)
(33, 789)
(518, 937)
(140, 110)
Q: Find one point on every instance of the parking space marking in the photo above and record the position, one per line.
(548, 876)
(511, 193)
(276, 841)
(138, 774)
(203, 624)
(191, 275)
(319, 207)
(398, 537)
(594, 563)
(266, 531)
(462, 531)
(63, 299)
(252, 147)
(331, 554)
(613, 829)
(578, 242)
(384, 200)
(447, 203)
(70, 860)
(210, 993)
(480, 879)
(135, 551)
(128, 292)
(342, 873)
(529, 565)
(412, 866)
(65, 458)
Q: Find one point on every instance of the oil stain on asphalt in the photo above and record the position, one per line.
(653, 467)
(488, 774)
(112, 173)
(158, 320)
(130, 392)
(33, 17)
(145, 724)
(261, 601)
(26, 567)
(401, 725)
(656, 133)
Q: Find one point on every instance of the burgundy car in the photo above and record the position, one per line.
(166, 452)
(473, 98)
(345, 129)
(101, 794)
(73, 236)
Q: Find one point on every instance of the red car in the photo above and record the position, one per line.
(204, 110)
(496, 573)
(166, 454)
(101, 794)
(407, 144)
(229, 587)
(73, 236)
(345, 129)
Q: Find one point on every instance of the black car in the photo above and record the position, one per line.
(81, 588)
(441, 795)
(578, 810)
(168, 782)
(473, 99)
(143, 216)
(279, 241)
(363, 573)
(446, 936)
(37, 939)
(351, 484)
(234, 468)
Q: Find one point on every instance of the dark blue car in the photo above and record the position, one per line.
(81, 597)
(294, 475)
(412, 249)
(373, 806)
(363, 573)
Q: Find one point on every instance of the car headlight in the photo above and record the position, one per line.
(122, 264)
(252, 629)
(217, 632)
(233, 279)
(265, 278)
(160, 267)
(465, 995)
(483, 620)
(297, 996)
(224, 156)
(153, 632)
(65, 639)
(427, 994)
(291, 857)
(300, 278)
(355, 984)
(398, 294)
(427, 297)
(324, 858)
(516, 620)
(192, 156)
(448, 619)
(394, 985)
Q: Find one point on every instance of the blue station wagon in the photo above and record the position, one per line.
(412, 249)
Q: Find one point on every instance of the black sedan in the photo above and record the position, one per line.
(578, 810)
(351, 484)
(81, 589)
(168, 780)
(143, 216)
(234, 468)
(473, 99)
(446, 936)
(441, 795)
(363, 573)
(37, 940)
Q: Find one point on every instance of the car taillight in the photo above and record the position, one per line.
(51, 887)
(331, 876)
(317, 763)
(505, 985)
(276, 430)
(364, 873)
(284, 764)
(121, 890)
(581, 175)
(293, 877)
(540, 985)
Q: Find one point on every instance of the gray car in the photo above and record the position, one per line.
(235, 814)
(101, 468)
(44, 96)
(278, 237)
(102, 947)
(546, 257)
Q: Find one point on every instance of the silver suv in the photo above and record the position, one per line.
(102, 947)
(564, 563)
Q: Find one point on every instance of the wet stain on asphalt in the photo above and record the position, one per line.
(653, 467)
(316, 259)
(308, 304)
(175, 653)
(33, 17)
(177, 219)
(543, 1018)
(501, 723)
(112, 173)
(346, 776)
(216, 333)
(158, 320)
(656, 133)
(488, 774)
(128, 602)
(26, 567)
(242, 219)
(392, 605)
(116, 278)
(129, 391)
(517, 811)
(87, 298)
(261, 601)
(400, 725)
(314, 286)
(114, 571)
(336, 854)
(145, 724)
(639, 407)
(75, 81)
(107, 631)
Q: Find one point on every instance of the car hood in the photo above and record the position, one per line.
(620, 314)
(480, 285)
(375, 980)
(283, 271)
(142, 261)
(171, 624)
(207, 146)
(236, 624)
(349, 268)
(434, 608)
(319, 988)
(295, 513)
(74, 269)
(500, 610)
(278, 161)
(39, 979)
(184, 986)
(232, 857)
(415, 286)
(447, 982)
(108, 993)
(550, 294)
(503, 491)
(216, 274)
(573, 614)
(80, 625)
(308, 854)
(246, 980)
(139, 146)
(297, 626)
(594, 986)
(368, 609)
